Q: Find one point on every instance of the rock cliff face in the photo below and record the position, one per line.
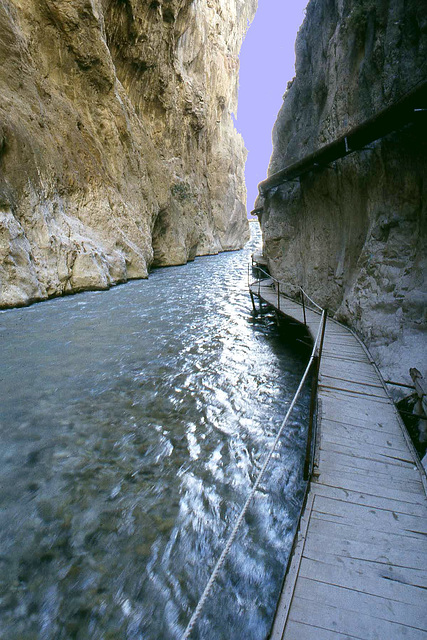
(355, 234)
(117, 147)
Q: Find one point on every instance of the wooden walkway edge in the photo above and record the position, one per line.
(359, 565)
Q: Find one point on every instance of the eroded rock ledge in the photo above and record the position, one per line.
(117, 146)
(355, 234)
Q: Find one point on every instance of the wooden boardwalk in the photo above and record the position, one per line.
(359, 567)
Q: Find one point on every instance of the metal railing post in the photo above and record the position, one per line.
(253, 302)
(303, 305)
(313, 396)
(316, 362)
(322, 338)
(278, 295)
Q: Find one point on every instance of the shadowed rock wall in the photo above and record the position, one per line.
(117, 146)
(355, 234)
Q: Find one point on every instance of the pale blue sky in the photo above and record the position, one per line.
(267, 63)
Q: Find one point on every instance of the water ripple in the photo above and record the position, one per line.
(133, 423)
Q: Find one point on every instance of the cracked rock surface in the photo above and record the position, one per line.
(355, 234)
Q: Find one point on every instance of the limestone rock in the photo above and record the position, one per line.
(117, 146)
(354, 234)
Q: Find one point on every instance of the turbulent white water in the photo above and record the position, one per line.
(133, 422)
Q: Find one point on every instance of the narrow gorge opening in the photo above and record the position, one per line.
(267, 64)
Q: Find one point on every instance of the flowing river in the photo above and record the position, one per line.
(133, 423)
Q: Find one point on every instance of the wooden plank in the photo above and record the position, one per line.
(362, 403)
(350, 397)
(335, 332)
(342, 370)
(345, 343)
(324, 526)
(359, 450)
(350, 352)
(359, 413)
(371, 432)
(346, 390)
(358, 512)
(374, 452)
(363, 383)
(368, 627)
(366, 452)
(370, 499)
(356, 556)
(376, 522)
(361, 579)
(364, 368)
(301, 631)
(357, 388)
(347, 340)
(332, 462)
(383, 552)
(331, 373)
(357, 421)
(365, 365)
(351, 482)
(340, 338)
(350, 600)
(335, 329)
(337, 335)
(330, 356)
(335, 472)
(360, 480)
(335, 460)
(347, 395)
(343, 434)
(342, 349)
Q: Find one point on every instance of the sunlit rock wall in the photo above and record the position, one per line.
(117, 146)
(355, 234)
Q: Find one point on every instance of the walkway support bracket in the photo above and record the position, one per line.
(408, 110)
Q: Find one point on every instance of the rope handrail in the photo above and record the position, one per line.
(288, 284)
(232, 536)
(311, 300)
(272, 277)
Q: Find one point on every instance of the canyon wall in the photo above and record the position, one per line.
(117, 146)
(354, 234)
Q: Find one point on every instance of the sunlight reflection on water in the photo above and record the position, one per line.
(133, 424)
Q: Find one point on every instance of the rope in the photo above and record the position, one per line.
(221, 560)
(311, 300)
(289, 284)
